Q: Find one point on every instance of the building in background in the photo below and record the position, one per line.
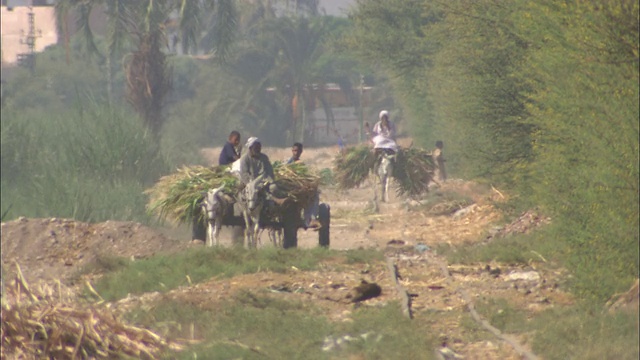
(15, 29)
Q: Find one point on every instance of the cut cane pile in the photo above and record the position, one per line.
(413, 169)
(44, 323)
(297, 181)
(353, 167)
(177, 196)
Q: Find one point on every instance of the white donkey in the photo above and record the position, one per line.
(252, 200)
(214, 206)
(385, 171)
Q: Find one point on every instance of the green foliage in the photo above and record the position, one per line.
(327, 177)
(587, 143)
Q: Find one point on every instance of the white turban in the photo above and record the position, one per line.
(252, 140)
(383, 113)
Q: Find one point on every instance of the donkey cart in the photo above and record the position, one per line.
(281, 221)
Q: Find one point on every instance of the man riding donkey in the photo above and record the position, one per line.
(256, 176)
(384, 136)
(385, 147)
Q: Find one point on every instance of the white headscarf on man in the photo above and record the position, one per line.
(252, 140)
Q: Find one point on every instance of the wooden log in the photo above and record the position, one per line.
(405, 298)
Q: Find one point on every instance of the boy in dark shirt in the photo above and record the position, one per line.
(229, 153)
(296, 151)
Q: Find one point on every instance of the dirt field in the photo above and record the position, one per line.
(57, 248)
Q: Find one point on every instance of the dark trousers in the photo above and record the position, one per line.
(198, 230)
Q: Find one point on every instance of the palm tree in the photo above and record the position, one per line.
(297, 45)
(142, 24)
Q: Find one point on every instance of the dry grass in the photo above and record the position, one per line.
(43, 322)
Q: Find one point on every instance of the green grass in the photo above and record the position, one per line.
(165, 272)
(579, 333)
(503, 315)
(255, 325)
(515, 249)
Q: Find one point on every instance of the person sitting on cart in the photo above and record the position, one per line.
(230, 152)
(311, 210)
(296, 152)
(255, 164)
(384, 136)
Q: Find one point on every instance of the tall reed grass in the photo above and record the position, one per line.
(90, 163)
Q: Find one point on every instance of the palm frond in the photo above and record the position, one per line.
(224, 29)
(190, 14)
(84, 14)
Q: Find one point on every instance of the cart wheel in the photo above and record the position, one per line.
(324, 217)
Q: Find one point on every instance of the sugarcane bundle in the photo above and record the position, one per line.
(352, 167)
(413, 171)
(297, 181)
(42, 323)
(177, 196)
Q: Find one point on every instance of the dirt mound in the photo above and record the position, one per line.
(54, 248)
(524, 224)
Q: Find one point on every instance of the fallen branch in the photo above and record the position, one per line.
(405, 298)
(484, 323)
(498, 192)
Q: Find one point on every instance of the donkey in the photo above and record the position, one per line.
(214, 206)
(252, 199)
(384, 172)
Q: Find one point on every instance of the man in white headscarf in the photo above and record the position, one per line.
(254, 163)
(384, 134)
(384, 137)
